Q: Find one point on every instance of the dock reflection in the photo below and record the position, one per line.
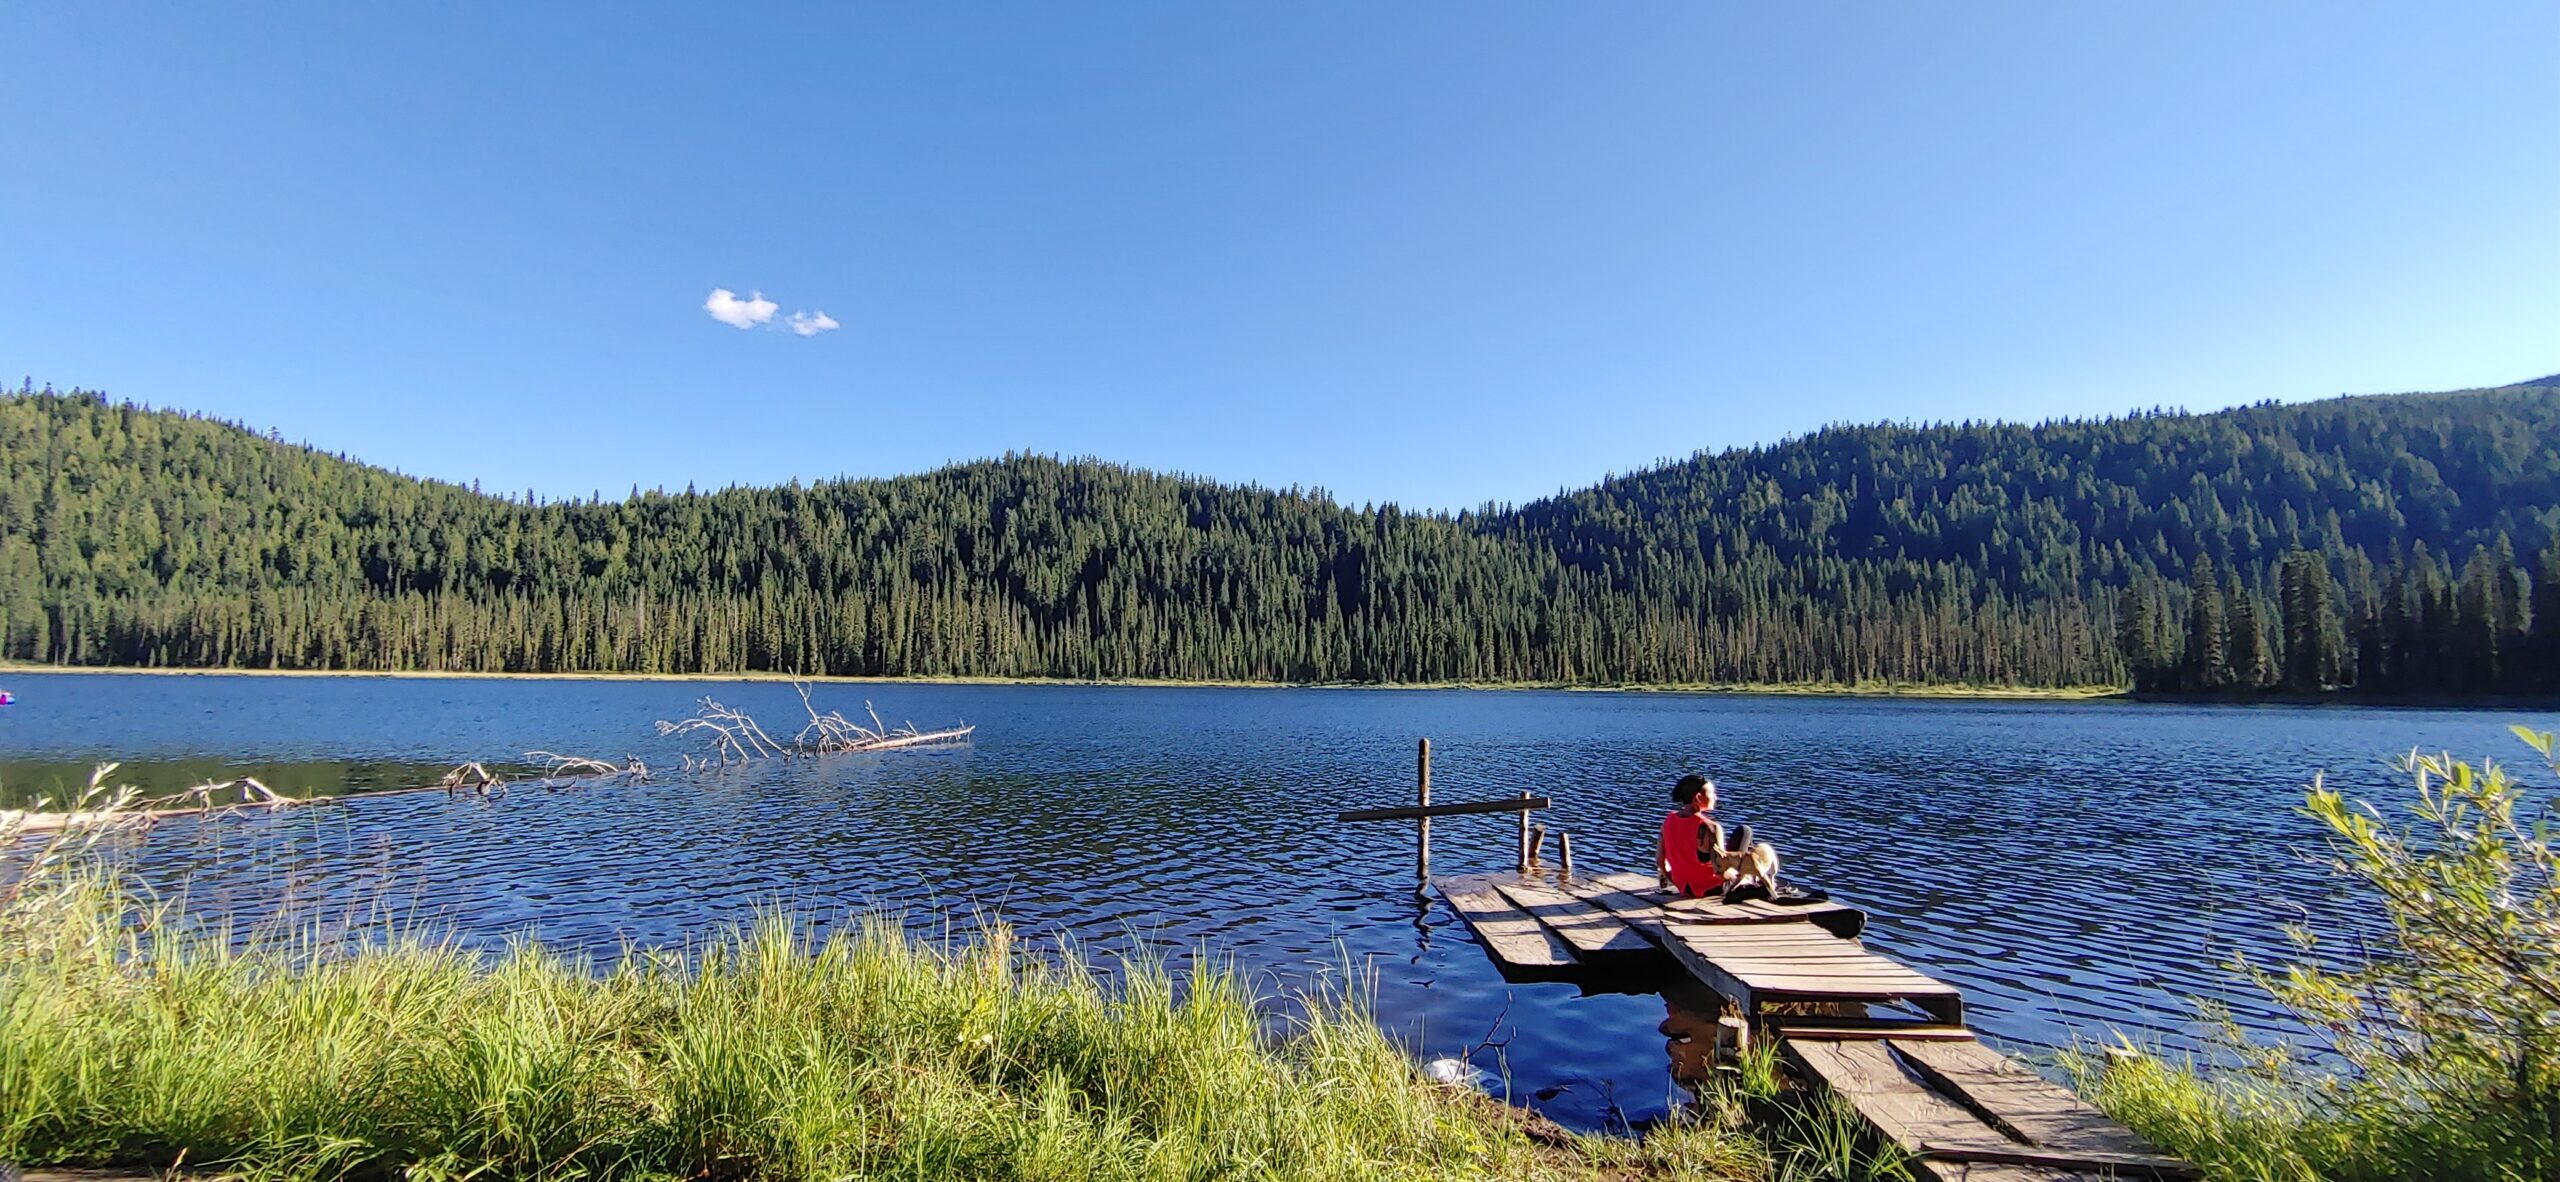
(1695, 1035)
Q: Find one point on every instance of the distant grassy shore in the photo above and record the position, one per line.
(1864, 689)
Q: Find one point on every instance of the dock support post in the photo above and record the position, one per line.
(1537, 845)
(1524, 836)
(1564, 852)
(1422, 826)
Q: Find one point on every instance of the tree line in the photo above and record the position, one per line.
(2175, 552)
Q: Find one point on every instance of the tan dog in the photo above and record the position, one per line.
(1743, 862)
(1758, 864)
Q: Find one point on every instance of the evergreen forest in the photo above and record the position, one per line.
(2392, 545)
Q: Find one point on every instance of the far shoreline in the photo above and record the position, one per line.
(1937, 691)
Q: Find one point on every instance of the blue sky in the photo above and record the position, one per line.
(1432, 253)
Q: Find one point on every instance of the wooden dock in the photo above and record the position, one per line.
(1886, 1037)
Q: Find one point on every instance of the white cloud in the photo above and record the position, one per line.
(725, 307)
(810, 324)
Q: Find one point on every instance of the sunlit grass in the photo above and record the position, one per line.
(128, 1038)
(133, 1037)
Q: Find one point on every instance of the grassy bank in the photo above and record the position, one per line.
(129, 1037)
(770, 1055)
(1861, 689)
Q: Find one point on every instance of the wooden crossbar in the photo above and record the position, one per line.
(1413, 812)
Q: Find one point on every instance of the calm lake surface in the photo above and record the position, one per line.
(2077, 869)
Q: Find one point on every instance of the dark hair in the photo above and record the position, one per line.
(1738, 840)
(1688, 788)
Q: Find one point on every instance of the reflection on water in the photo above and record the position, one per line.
(1696, 1037)
(2074, 868)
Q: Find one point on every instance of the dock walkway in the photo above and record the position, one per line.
(1881, 1035)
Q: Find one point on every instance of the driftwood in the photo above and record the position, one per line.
(576, 771)
(736, 735)
(733, 733)
(559, 772)
(474, 778)
(832, 732)
(251, 792)
(124, 807)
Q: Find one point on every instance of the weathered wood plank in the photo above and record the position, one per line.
(1752, 966)
(1856, 1029)
(1954, 1171)
(1411, 812)
(1623, 904)
(1865, 1074)
(2010, 1096)
(1726, 985)
(1637, 892)
(1906, 1113)
(1507, 933)
(1977, 1172)
(2124, 1166)
(1591, 930)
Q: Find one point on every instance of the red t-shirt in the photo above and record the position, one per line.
(1689, 876)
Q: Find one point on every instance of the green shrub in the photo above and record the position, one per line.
(2438, 1055)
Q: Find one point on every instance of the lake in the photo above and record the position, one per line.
(2078, 868)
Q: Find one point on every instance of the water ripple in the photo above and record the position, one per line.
(2077, 869)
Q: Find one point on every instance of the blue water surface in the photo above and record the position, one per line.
(2077, 868)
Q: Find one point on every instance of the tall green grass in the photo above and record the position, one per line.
(128, 1036)
(770, 1054)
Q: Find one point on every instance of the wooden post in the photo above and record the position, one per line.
(1422, 825)
(1564, 852)
(1537, 845)
(1524, 837)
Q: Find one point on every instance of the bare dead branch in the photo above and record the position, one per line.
(736, 736)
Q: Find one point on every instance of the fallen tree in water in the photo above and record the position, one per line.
(558, 772)
(737, 737)
(575, 771)
(125, 807)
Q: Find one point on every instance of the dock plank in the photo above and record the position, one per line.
(1911, 1116)
(1864, 1073)
(2012, 1097)
(1859, 1029)
(1639, 891)
(2115, 1167)
(1592, 930)
(1509, 934)
(1753, 965)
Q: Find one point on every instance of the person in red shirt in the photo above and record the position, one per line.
(1691, 839)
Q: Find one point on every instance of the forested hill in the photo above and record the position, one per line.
(2399, 542)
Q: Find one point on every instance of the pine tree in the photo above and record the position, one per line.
(2369, 616)
(2312, 638)
(2545, 623)
(2208, 665)
(2252, 663)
